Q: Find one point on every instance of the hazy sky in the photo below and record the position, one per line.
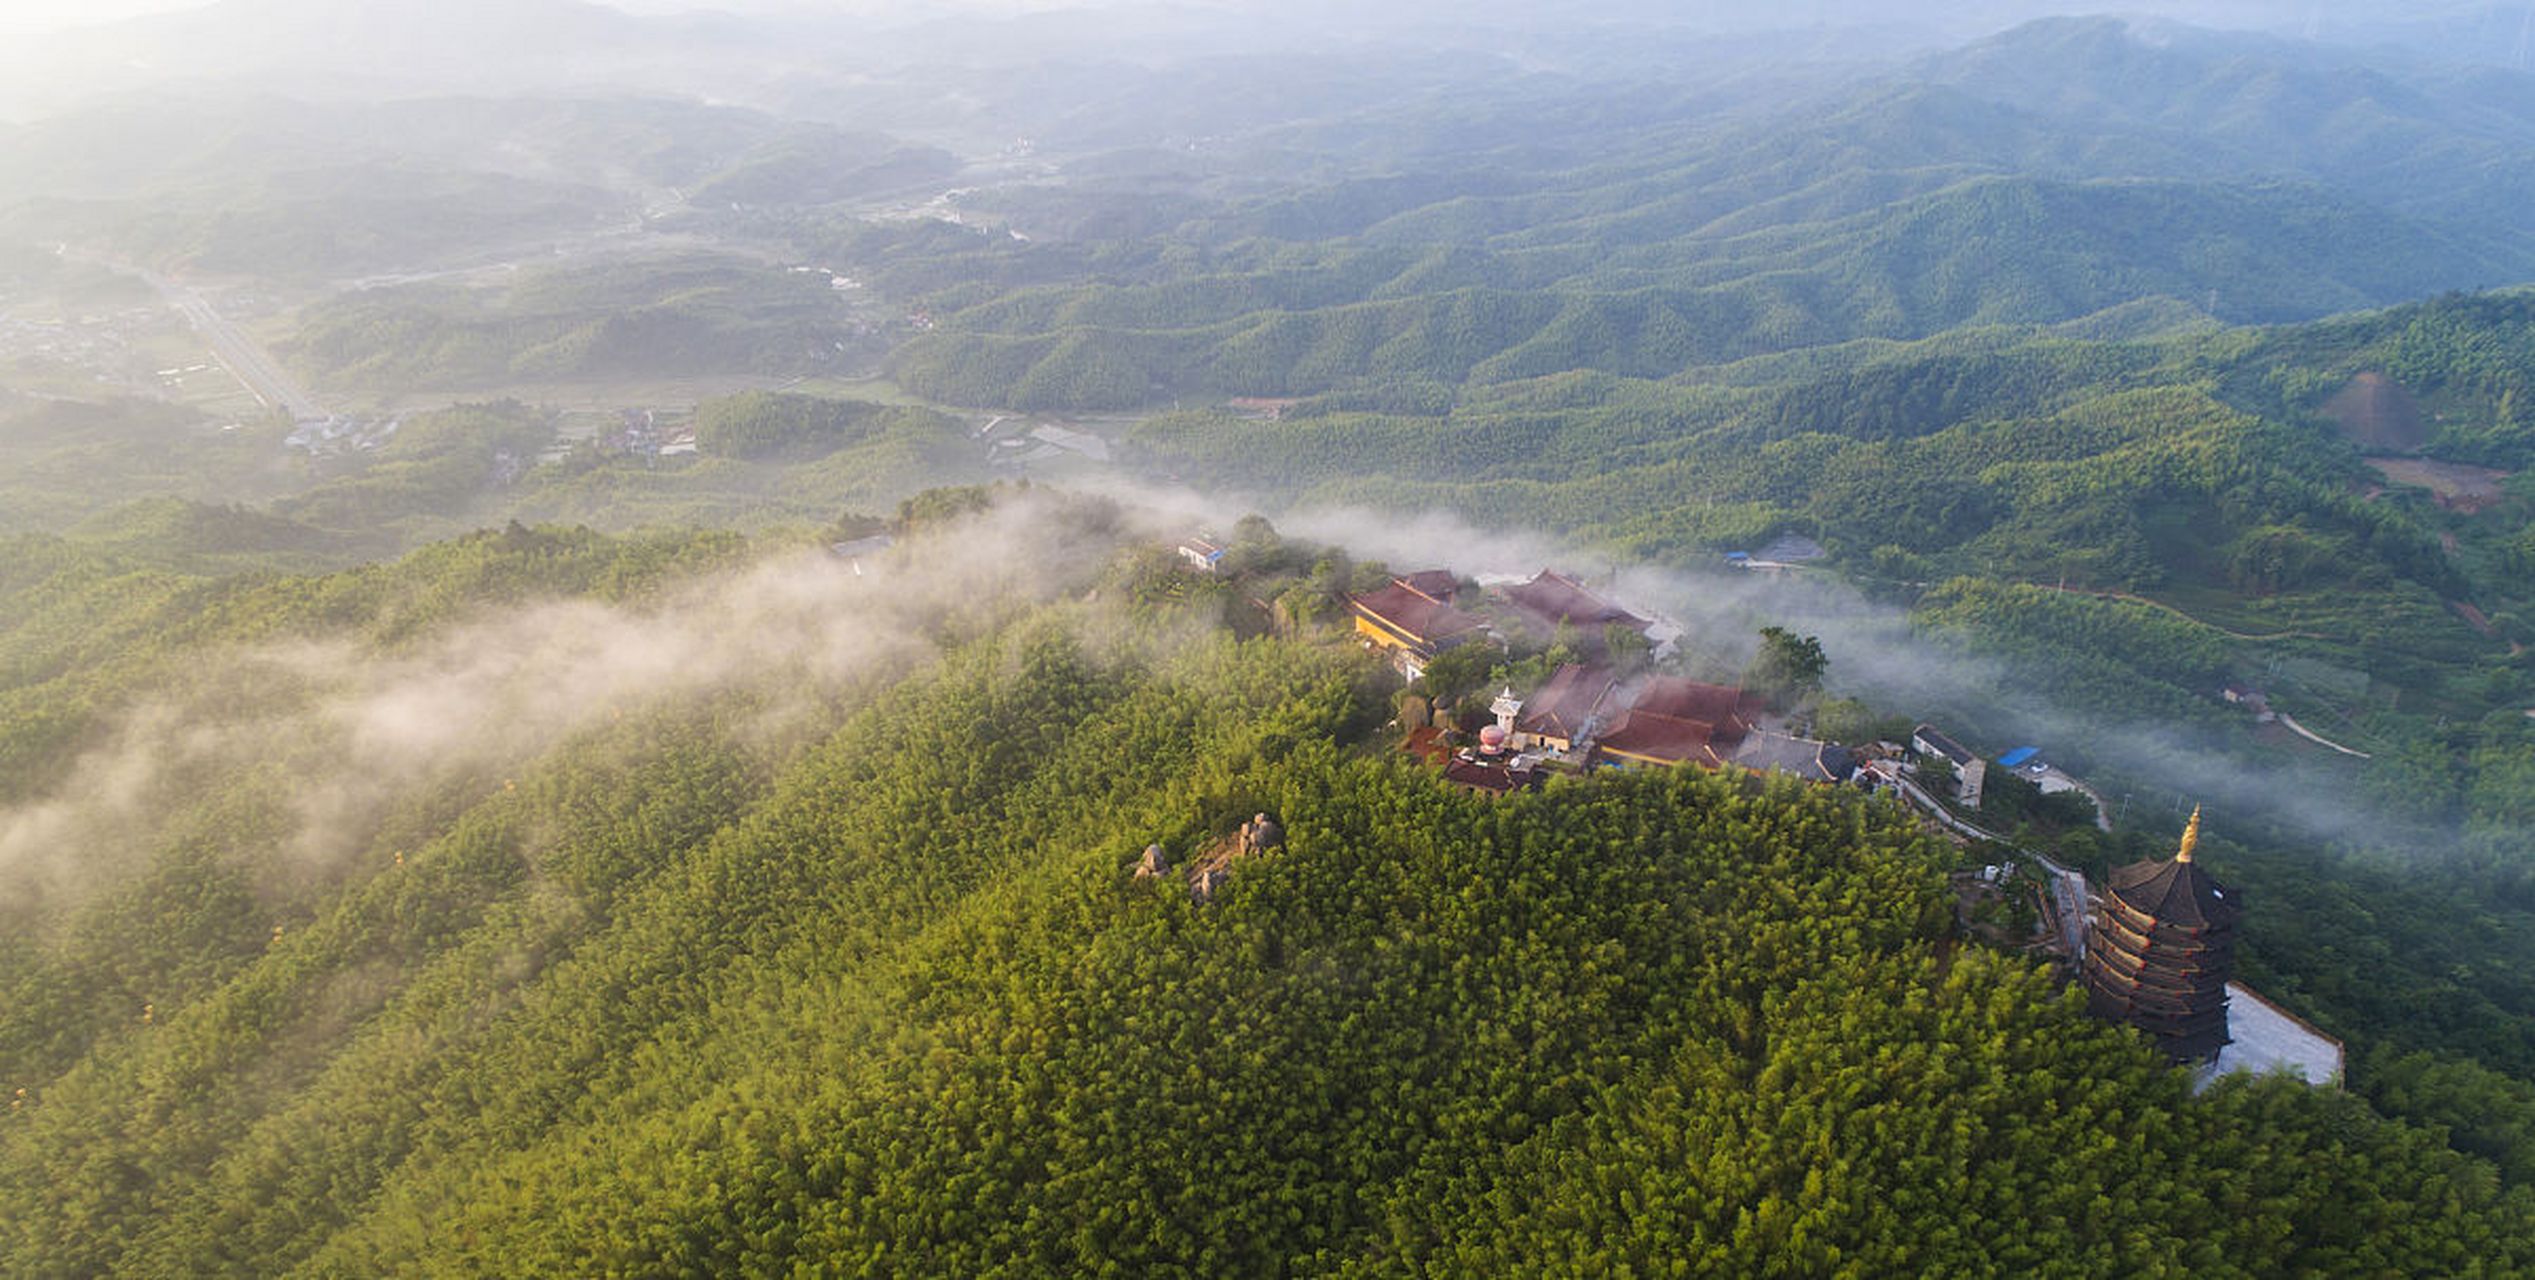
(21, 16)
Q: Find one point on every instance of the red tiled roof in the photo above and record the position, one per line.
(1562, 706)
(1653, 736)
(1415, 616)
(1438, 585)
(1728, 710)
(1554, 597)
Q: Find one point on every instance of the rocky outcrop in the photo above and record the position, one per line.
(1214, 867)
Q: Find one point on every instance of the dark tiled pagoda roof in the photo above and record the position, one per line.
(2176, 894)
(2160, 949)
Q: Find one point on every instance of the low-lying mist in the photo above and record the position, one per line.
(323, 738)
(1880, 657)
(328, 734)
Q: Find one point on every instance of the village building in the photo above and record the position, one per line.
(1507, 709)
(2027, 763)
(2160, 949)
(1415, 626)
(1970, 771)
(1202, 554)
(1492, 767)
(858, 550)
(2238, 693)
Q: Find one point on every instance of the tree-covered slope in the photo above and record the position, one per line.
(666, 318)
(2214, 474)
(2060, 171)
(2414, 134)
(835, 964)
(1638, 298)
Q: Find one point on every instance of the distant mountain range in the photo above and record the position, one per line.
(2059, 171)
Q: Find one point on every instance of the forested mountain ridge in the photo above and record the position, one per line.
(875, 992)
(2062, 170)
(703, 314)
(2432, 140)
(1984, 251)
(397, 878)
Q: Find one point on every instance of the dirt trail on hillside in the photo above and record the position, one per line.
(2160, 604)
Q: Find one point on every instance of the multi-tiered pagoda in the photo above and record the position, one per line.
(2159, 951)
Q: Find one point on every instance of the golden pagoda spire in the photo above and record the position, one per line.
(2191, 836)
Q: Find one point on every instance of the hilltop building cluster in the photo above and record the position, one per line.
(2153, 945)
(1591, 711)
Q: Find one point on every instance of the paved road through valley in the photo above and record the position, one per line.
(243, 355)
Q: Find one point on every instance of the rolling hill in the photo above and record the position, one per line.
(831, 956)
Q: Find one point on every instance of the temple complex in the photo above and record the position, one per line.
(2159, 950)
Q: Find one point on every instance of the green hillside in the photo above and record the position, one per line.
(65, 461)
(665, 318)
(559, 835)
(840, 967)
(1973, 477)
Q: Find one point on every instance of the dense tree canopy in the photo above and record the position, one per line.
(878, 993)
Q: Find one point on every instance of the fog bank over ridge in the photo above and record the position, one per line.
(126, 44)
